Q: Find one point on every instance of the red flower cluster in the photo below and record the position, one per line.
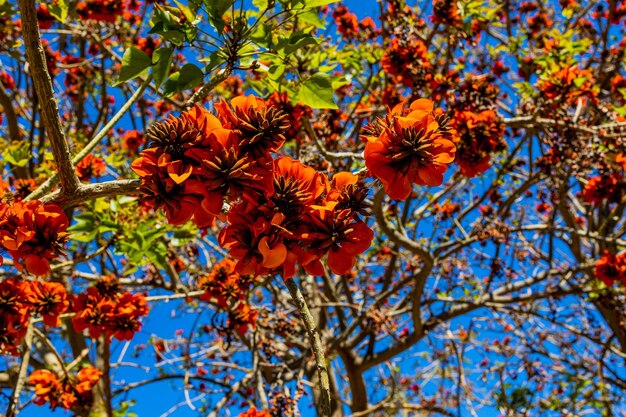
(568, 85)
(20, 299)
(132, 141)
(407, 60)
(347, 22)
(294, 112)
(229, 289)
(70, 392)
(103, 308)
(253, 412)
(604, 188)
(446, 12)
(78, 76)
(197, 160)
(90, 167)
(304, 219)
(611, 268)
(148, 44)
(478, 136)
(413, 146)
(44, 18)
(282, 212)
(33, 234)
(23, 187)
(105, 10)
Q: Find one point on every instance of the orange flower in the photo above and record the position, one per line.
(23, 187)
(407, 60)
(611, 268)
(89, 167)
(33, 233)
(408, 149)
(88, 377)
(251, 237)
(48, 299)
(347, 23)
(604, 187)
(65, 393)
(47, 387)
(102, 309)
(132, 141)
(342, 238)
(229, 172)
(14, 314)
(180, 202)
(349, 193)
(446, 12)
(296, 187)
(260, 126)
(568, 84)
(253, 412)
(293, 112)
(478, 136)
(91, 310)
(222, 283)
(123, 322)
(242, 317)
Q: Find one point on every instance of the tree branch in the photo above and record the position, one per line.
(316, 344)
(43, 87)
(89, 192)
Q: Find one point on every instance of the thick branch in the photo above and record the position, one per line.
(43, 86)
(316, 344)
(92, 191)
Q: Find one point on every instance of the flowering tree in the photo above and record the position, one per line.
(414, 213)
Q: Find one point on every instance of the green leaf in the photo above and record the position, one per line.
(18, 154)
(317, 92)
(216, 10)
(83, 230)
(312, 18)
(162, 61)
(299, 40)
(275, 72)
(189, 76)
(307, 4)
(134, 63)
(190, 15)
(59, 10)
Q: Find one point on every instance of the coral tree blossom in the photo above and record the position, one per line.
(280, 212)
(71, 392)
(410, 146)
(33, 234)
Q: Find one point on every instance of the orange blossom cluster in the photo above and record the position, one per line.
(229, 289)
(32, 233)
(104, 309)
(611, 268)
(410, 146)
(69, 392)
(19, 300)
(281, 212)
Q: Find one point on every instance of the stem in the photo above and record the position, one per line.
(316, 344)
(43, 87)
(209, 86)
(21, 376)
